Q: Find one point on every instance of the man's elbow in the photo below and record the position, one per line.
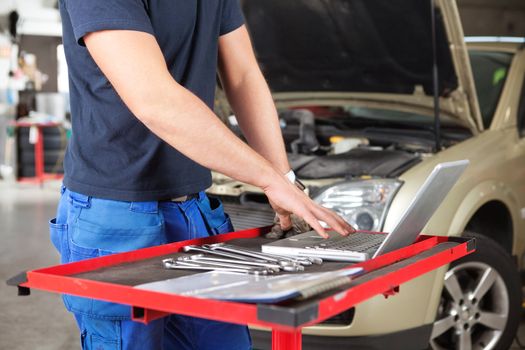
(152, 106)
(145, 111)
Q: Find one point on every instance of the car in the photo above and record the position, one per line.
(365, 118)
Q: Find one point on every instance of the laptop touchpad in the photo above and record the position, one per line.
(314, 238)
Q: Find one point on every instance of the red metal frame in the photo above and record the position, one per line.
(283, 340)
(40, 174)
(149, 305)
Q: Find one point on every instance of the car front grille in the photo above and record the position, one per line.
(345, 318)
(246, 216)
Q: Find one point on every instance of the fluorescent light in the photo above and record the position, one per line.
(494, 39)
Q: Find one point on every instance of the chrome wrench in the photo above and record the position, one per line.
(271, 266)
(255, 271)
(191, 260)
(237, 250)
(205, 249)
(170, 264)
(298, 259)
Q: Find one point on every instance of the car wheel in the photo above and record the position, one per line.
(481, 301)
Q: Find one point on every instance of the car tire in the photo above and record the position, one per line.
(54, 139)
(29, 171)
(50, 143)
(51, 157)
(480, 305)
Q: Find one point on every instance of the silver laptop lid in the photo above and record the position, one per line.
(426, 201)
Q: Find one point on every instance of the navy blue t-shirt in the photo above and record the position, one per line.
(111, 154)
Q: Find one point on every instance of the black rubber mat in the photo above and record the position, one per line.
(151, 270)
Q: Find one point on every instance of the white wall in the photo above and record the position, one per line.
(8, 5)
(37, 17)
(493, 17)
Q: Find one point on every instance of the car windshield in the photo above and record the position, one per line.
(490, 73)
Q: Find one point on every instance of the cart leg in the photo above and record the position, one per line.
(282, 340)
(39, 156)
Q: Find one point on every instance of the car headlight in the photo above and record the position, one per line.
(363, 204)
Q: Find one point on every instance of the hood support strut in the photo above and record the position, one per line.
(435, 78)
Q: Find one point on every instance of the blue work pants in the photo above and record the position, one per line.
(87, 227)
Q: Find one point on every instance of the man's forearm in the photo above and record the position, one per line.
(253, 105)
(250, 97)
(188, 125)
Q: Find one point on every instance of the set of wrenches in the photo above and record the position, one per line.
(231, 258)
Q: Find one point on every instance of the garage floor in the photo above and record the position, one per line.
(38, 321)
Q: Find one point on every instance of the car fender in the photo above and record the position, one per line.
(478, 196)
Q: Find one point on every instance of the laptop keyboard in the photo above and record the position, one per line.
(357, 242)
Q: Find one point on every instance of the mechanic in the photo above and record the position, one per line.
(142, 83)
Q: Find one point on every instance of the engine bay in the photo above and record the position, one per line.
(325, 142)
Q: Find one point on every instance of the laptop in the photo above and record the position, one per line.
(362, 245)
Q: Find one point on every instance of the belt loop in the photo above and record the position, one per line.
(144, 207)
(80, 200)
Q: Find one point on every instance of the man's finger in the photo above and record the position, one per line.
(345, 225)
(312, 221)
(330, 219)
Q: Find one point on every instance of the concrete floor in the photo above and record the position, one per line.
(40, 320)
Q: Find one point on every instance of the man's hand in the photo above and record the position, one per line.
(289, 224)
(297, 226)
(286, 199)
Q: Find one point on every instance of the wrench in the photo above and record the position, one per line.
(184, 261)
(235, 250)
(296, 259)
(301, 260)
(287, 261)
(176, 266)
(269, 265)
(287, 264)
(188, 259)
(205, 249)
(201, 257)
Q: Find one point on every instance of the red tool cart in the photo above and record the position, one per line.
(111, 278)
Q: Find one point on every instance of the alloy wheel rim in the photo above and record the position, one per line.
(473, 310)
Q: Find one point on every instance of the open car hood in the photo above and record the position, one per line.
(379, 50)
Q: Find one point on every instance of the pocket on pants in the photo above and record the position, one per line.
(79, 253)
(90, 239)
(217, 220)
(57, 233)
(99, 343)
(225, 227)
(101, 335)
